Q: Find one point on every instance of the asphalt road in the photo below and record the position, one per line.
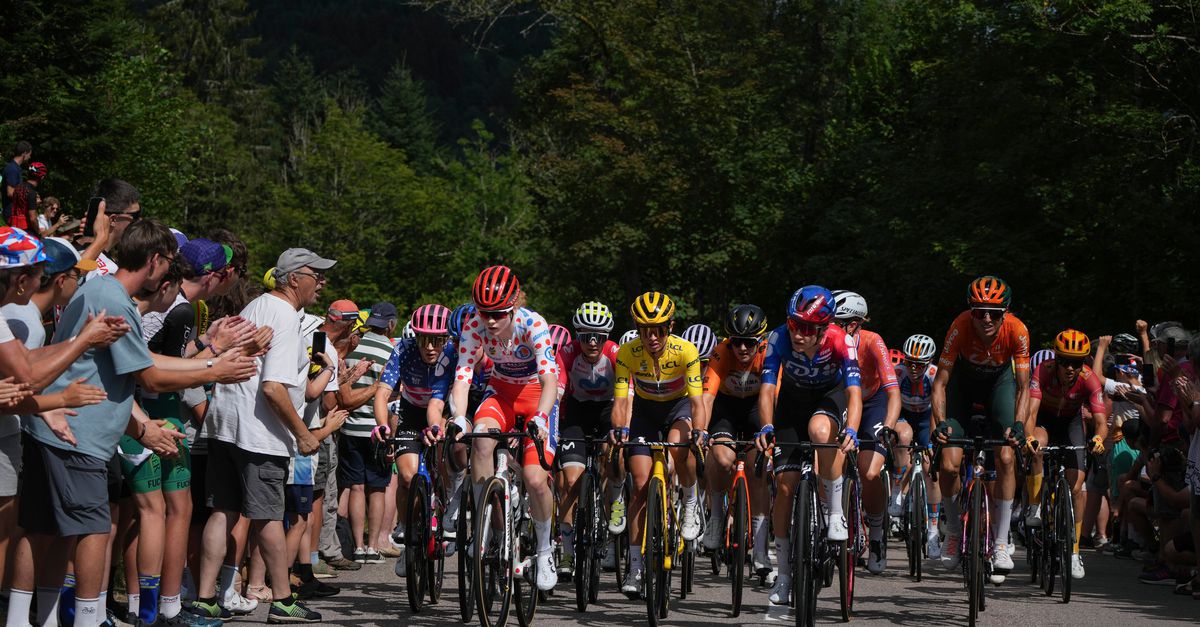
(1110, 595)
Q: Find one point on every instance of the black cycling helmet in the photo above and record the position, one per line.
(746, 321)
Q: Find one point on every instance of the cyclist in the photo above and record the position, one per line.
(479, 383)
(705, 341)
(1058, 391)
(731, 401)
(880, 411)
(811, 379)
(985, 360)
(524, 382)
(419, 370)
(628, 337)
(916, 388)
(664, 372)
(590, 363)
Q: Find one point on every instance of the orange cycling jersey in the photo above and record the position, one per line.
(1011, 345)
(1066, 403)
(725, 376)
(874, 362)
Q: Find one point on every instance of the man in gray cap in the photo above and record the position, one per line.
(254, 428)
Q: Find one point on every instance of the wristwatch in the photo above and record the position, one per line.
(208, 363)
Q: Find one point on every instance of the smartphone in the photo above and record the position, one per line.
(1171, 346)
(89, 224)
(318, 343)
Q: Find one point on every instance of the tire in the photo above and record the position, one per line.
(689, 569)
(920, 523)
(739, 543)
(416, 556)
(584, 536)
(666, 575)
(655, 540)
(851, 505)
(525, 590)
(1050, 552)
(1065, 522)
(804, 565)
(466, 567)
(492, 564)
(599, 542)
(975, 552)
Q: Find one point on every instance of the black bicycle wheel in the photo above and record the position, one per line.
(416, 556)
(848, 556)
(689, 569)
(918, 524)
(804, 564)
(1050, 553)
(525, 590)
(584, 534)
(463, 533)
(671, 548)
(738, 542)
(974, 551)
(1065, 523)
(655, 540)
(492, 561)
(599, 540)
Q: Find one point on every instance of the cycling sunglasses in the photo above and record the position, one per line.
(436, 341)
(495, 315)
(982, 313)
(748, 342)
(805, 328)
(588, 337)
(1074, 363)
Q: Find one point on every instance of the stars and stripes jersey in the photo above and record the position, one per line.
(677, 375)
(835, 362)
(587, 381)
(418, 381)
(916, 396)
(521, 360)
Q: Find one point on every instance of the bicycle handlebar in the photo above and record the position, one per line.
(530, 432)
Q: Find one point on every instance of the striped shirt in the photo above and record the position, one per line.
(376, 349)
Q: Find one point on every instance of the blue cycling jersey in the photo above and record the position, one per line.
(916, 396)
(419, 382)
(835, 361)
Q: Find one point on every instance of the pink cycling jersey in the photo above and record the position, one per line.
(586, 381)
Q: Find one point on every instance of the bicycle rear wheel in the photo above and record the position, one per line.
(655, 541)
(1065, 523)
(804, 558)
(738, 542)
(492, 559)
(463, 535)
(416, 556)
(1050, 552)
(584, 535)
(525, 588)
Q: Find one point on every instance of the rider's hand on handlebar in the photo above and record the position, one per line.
(618, 435)
(380, 433)
(942, 433)
(700, 437)
(889, 435)
(848, 439)
(431, 435)
(765, 438)
(457, 427)
(1097, 445)
(1031, 443)
(538, 426)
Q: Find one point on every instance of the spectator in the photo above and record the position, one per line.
(23, 212)
(121, 208)
(50, 218)
(21, 154)
(364, 480)
(255, 427)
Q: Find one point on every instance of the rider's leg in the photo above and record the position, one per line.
(639, 469)
(407, 463)
(948, 480)
(759, 509)
(1075, 480)
(830, 461)
(1033, 480)
(786, 483)
(870, 470)
(541, 502)
(902, 456)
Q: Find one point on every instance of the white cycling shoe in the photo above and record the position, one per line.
(950, 556)
(781, 592)
(547, 575)
(712, 534)
(896, 507)
(691, 520)
(932, 546)
(1076, 567)
(837, 528)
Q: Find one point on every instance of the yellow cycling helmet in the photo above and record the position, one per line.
(361, 321)
(1072, 343)
(652, 308)
(269, 279)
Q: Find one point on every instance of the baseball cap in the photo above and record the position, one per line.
(343, 310)
(293, 259)
(381, 314)
(180, 238)
(19, 249)
(204, 255)
(63, 256)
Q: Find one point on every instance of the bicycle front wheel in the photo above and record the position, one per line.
(416, 558)
(493, 557)
(804, 557)
(1065, 524)
(975, 549)
(918, 522)
(852, 506)
(584, 535)
(525, 586)
(738, 542)
(463, 535)
(655, 544)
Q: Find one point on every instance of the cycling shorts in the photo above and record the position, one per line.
(580, 420)
(1065, 432)
(413, 420)
(919, 421)
(733, 417)
(506, 402)
(653, 419)
(874, 415)
(995, 392)
(793, 410)
(156, 473)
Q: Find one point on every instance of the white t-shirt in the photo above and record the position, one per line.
(104, 266)
(11, 424)
(5, 334)
(239, 413)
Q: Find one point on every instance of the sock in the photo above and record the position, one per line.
(953, 521)
(104, 601)
(225, 583)
(87, 612)
(19, 603)
(717, 511)
(932, 510)
(169, 606)
(286, 601)
(615, 493)
(304, 572)
(134, 603)
(900, 472)
(875, 525)
(568, 538)
(1033, 488)
(66, 601)
(148, 587)
(1003, 520)
(783, 552)
(314, 557)
(833, 496)
(689, 491)
(542, 529)
(761, 528)
(1078, 531)
(48, 604)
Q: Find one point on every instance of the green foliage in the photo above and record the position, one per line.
(402, 116)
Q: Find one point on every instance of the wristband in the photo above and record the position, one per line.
(766, 430)
(852, 434)
(462, 423)
(542, 421)
(142, 434)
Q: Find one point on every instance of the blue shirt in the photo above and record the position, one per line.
(12, 178)
(835, 361)
(99, 427)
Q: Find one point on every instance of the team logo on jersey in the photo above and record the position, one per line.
(523, 353)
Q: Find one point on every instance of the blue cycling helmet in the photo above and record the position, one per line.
(812, 304)
(456, 319)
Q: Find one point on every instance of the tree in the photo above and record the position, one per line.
(402, 116)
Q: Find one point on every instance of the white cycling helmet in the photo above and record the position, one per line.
(703, 337)
(593, 316)
(849, 305)
(920, 348)
(408, 331)
(1039, 357)
(629, 336)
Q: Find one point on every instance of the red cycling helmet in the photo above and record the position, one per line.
(559, 336)
(496, 289)
(896, 355)
(431, 320)
(37, 170)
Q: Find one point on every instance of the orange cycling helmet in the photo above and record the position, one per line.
(989, 290)
(896, 355)
(1072, 343)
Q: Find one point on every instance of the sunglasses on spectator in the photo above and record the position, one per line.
(805, 328)
(1074, 363)
(133, 216)
(436, 341)
(982, 313)
(588, 337)
(495, 315)
(319, 277)
(747, 342)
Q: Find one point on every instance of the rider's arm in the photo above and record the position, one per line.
(622, 397)
(468, 353)
(380, 404)
(433, 413)
(854, 407)
(1023, 396)
(893, 407)
(695, 391)
(937, 398)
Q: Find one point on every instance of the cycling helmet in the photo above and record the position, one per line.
(37, 170)
(1072, 343)
(408, 332)
(989, 291)
(702, 337)
(269, 279)
(496, 289)
(896, 355)
(454, 324)
(360, 323)
(746, 321)
(593, 316)
(628, 336)
(849, 305)
(430, 320)
(920, 348)
(1125, 344)
(812, 304)
(559, 335)
(1039, 357)
(652, 308)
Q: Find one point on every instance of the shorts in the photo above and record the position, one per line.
(298, 499)
(653, 419)
(358, 465)
(509, 404)
(155, 473)
(118, 488)
(321, 477)
(582, 420)
(996, 393)
(920, 425)
(793, 410)
(474, 398)
(200, 508)
(246, 482)
(413, 420)
(874, 415)
(1065, 432)
(63, 493)
(10, 464)
(734, 418)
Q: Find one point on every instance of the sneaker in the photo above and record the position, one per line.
(950, 556)
(566, 564)
(339, 562)
(360, 555)
(1161, 576)
(211, 611)
(712, 535)
(782, 590)
(387, 552)
(1076, 567)
(896, 506)
(372, 556)
(316, 589)
(932, 546)
(1001, 560)
(691, 520)
(321, 570)
(837, 528)
(401, 567)
(239, 605)
(187, 619)
(292, 612)
(876, 560)
(632, 587)
(547, 576)
(1099, 542)
(616, 520)
(1034, 517)
(609, 561)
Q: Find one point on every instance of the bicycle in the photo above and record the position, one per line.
(463, 535)
(738, 539)
(915, 520)
(1053, 544)
(424, 551)
(591, 526)
(505, 547)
